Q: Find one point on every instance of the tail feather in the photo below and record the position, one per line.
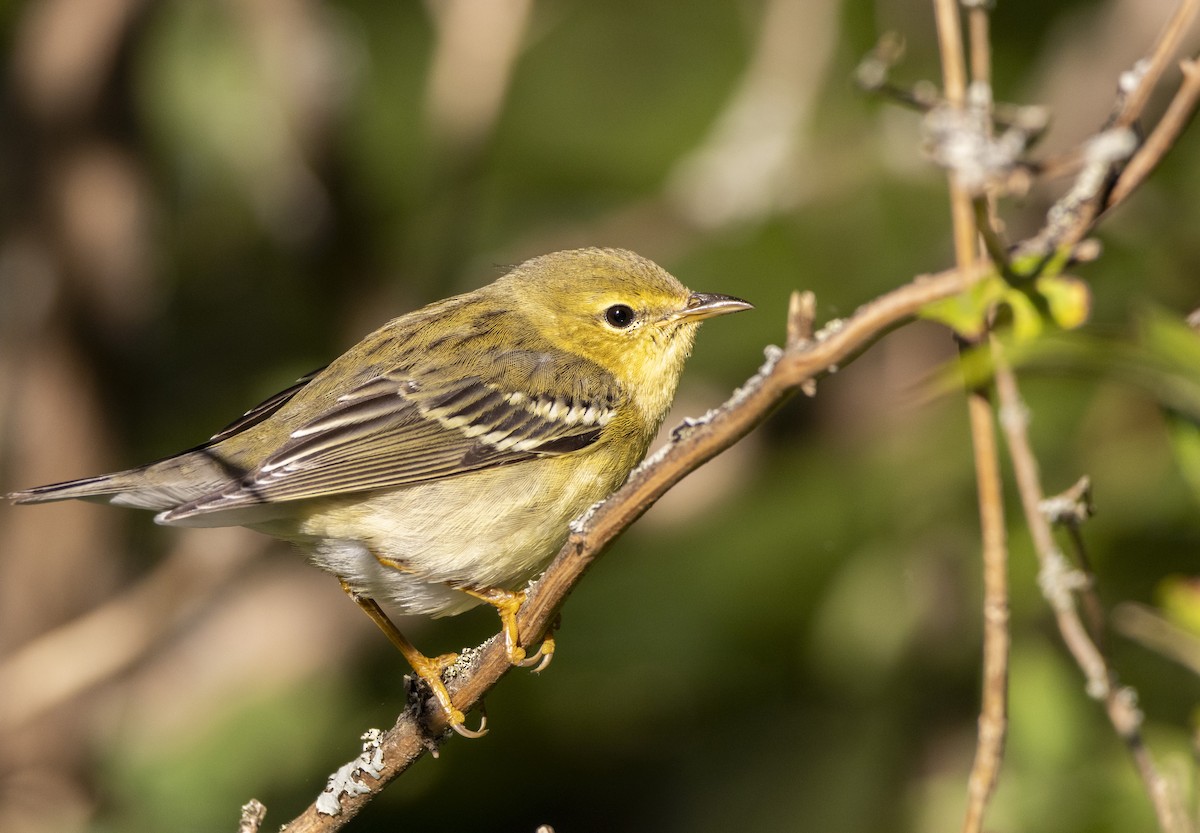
(85, 488)
(158, 486)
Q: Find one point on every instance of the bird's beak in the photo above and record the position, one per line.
(701, 305)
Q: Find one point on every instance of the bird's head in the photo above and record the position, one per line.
(619, 310)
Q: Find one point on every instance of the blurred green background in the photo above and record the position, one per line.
(204, 199)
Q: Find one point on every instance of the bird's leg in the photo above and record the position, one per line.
(507, 603)
(428, 669)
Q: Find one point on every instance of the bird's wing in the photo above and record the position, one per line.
(262, 411)
(397, 430)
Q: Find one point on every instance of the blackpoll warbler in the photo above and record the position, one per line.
(437, 463)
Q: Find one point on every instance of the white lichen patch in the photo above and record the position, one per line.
(345, 782)
(963, 140)
(832, 327)
(1131, 79)
(579, 525)
(467, 658)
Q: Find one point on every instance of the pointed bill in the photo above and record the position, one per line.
(703, 305)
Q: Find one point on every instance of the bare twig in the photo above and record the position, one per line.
(990, 238)
(993, 708)
(1162, 138)
(969, 213)
(979, 37)
(950, 47)
(1150, 70)
(802, 314)
(1074, 215)
(1070, 510)
(1086, 208)
(1059, 583)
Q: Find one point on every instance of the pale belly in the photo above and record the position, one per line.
(409, 549)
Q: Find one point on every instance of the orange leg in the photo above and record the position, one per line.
(428, 669)
(507, 603)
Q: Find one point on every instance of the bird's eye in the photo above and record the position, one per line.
(619, 316)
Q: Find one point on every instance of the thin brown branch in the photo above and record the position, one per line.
(1069, 510)
(1151, 69)
(990, 238)
(950, 47)
(1083, 207)
(993, 709)
(1097, 189)
(1072, 219)
(969, 216)
(693, 443)
(1076, 213)
(802, 314)
(1059, 584)
(954, 84)
(1179, 112)
(979, 37)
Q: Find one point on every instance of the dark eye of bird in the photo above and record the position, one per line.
(619, 315)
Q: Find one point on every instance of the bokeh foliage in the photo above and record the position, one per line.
(791, 641)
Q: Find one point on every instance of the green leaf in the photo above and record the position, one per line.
(1068, 299)
(1028, 322)
(967, 313)
(1039, 266)
(1064, 300)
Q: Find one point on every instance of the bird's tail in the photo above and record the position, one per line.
(157, 486)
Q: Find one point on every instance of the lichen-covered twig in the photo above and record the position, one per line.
(1060, 583)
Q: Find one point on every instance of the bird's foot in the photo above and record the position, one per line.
(430, 669)
(507, 603)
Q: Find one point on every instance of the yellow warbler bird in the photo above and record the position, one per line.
(437, 463)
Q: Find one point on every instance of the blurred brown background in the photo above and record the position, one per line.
(204, 199)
